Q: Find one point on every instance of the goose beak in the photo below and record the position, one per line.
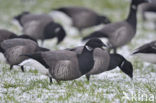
(131, 76)
(134, 52)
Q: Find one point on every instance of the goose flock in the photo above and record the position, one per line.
(92, 58)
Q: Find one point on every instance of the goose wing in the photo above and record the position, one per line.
(63, 64)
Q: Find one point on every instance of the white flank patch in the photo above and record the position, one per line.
(36, 65)
(2, 58)
(151, 58)
(15, 22)
(150, 16)
(60, 16)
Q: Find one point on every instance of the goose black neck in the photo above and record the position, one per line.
(132, 17)
(115, 61)
(86, 61)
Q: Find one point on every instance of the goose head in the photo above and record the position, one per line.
(94, 43)
(104, 20)
(127, 68)
(54, 30)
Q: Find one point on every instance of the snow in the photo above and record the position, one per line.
(35, 87)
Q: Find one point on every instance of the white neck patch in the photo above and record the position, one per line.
(89, 48)
(134, 7)
(57, 29)
(122, 64)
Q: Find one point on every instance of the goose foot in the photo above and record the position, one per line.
(11, 66)
(115, 51)
(51, 81)
(22, 68)
(88, 77)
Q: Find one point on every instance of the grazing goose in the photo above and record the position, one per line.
(147, 52)
(105, 62)
(41, 26)
(5, 34)
(13, 48)
(83, 17)
(67, 65)
(120, 33)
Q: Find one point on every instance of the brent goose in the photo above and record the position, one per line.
(120, 33)
(41, 26)
(105, 62)
(68, 65)
(14, 48)
(83, 17)
(147, 52)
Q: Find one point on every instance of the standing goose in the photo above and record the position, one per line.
(147, 52)
(83, 17)
(14, 48)
(41, 26)
(67, 65)
(105, 62)
(120, 33)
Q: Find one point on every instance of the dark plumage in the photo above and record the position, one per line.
(14, 48)
(83, 17)
(5, 34)
(68, 65)
(119, 33)
(147, 52)
(41, 26)
(105, 62)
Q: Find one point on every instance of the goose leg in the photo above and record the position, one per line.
(22, 68)
(88, 77)
(115, 51)
(58, 82)
(11, 66)
(51, 81)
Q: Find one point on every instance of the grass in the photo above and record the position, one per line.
(32, 87)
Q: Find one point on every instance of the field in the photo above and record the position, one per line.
(109, 87)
